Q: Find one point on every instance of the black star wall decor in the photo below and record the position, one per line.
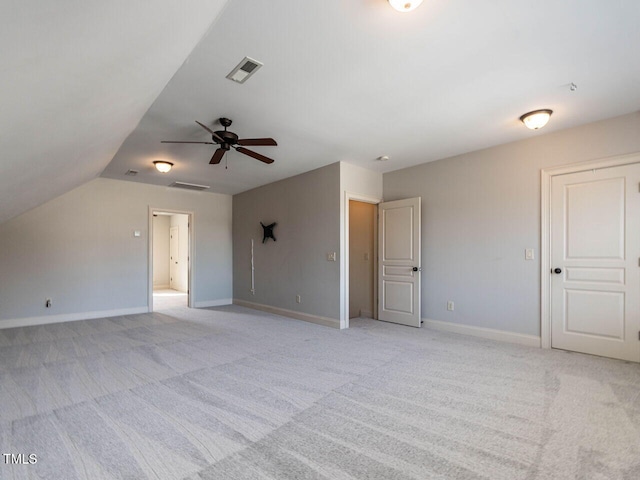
(268, 231)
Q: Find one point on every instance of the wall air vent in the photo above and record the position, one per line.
(246, 68)
(131, 173)
(189, 186)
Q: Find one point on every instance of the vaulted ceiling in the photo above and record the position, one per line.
(92, 88)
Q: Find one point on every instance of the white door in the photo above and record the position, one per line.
(399, 262)
(595, 255)
(174, 254)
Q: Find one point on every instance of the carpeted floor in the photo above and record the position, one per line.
(230, 393)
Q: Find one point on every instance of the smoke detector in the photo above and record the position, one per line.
(246, 68)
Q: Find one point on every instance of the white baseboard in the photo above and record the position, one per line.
(70, 317)
(326, 321)
(499, 335)
(161, 287)
(215, 303)
(366, 314)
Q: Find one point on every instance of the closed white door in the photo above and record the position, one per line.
(595, 255)
(399, 262)
(174, 254)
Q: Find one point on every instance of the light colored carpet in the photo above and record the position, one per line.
(230, 393)
(166, 298)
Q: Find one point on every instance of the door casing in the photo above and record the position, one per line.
(344, 279)
(192, 255)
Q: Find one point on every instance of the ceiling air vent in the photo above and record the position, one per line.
(246, 68)
(131, 173)
(189, 186)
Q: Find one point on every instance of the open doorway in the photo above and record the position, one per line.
(170, 262)
(362, 255)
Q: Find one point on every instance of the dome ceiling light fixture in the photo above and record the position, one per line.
(405, 5)
(163, 166)
(536, 119)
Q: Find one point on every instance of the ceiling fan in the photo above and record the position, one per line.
(228, 140)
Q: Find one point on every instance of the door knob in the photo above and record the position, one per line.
(557, 271)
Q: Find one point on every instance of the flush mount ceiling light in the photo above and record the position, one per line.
(405, 5)
(163, 166)
(536, 119)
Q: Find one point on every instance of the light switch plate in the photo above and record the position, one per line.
(528, 254)
(331, 257)
(136, 233)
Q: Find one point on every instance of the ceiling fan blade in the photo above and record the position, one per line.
(171, 141)
(255, 155)
(205, 127)
(217, 156)
(214, 134)
(258, 142)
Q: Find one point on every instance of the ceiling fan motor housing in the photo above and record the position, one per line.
(229, 138)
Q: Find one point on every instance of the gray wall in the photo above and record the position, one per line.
(482, 209)
(307, 210)
(79, 249)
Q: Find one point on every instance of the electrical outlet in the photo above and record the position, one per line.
(331, 257)
(298, 299)
(450, 305)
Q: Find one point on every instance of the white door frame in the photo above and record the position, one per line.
(192, 250)
(545, 238)
(345, 257)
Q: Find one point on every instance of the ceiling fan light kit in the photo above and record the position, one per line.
(163, 166)
(405, 5)
(536, 119)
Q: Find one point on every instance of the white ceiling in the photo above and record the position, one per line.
(342, 81)
(77, 77)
